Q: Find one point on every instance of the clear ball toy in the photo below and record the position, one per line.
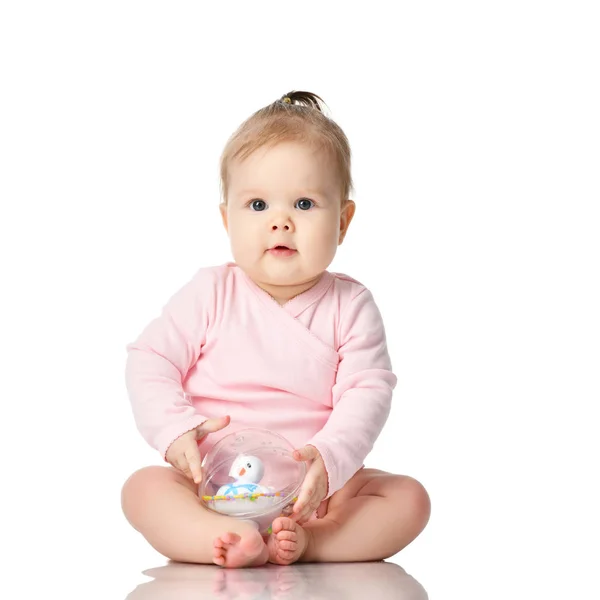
(251, 474)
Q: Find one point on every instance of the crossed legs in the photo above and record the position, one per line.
(372, 517)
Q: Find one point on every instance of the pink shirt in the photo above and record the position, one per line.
(315, 370)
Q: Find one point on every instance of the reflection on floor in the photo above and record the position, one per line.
(347, 581)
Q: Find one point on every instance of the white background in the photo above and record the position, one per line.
(475, 132)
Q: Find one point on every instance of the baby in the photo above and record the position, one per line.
(273, 340)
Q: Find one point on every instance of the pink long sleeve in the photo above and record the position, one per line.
(159, 360)
(361, 395)
(315, 370)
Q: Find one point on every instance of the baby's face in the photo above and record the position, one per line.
(288, 195)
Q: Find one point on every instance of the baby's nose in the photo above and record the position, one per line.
(281, 221)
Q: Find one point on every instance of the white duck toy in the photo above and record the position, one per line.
(248, 471)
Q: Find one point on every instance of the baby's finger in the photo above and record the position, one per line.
(322, 508)
(306, 493)
(193, 460)
(301, 518)
(307, 453)
(212, 425)
(182, 465)
(305, 514)
(322, 491)
(179, 463)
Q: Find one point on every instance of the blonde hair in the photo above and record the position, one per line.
(296, 116)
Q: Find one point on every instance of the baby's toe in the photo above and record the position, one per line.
(286, 545)
(284, 524)
(230, 538)
(285, 555)
(218, 553)
(218, 543)
(219, 560)
(291, 536)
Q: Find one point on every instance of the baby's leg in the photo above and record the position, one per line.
(372, 517)
(163, 505)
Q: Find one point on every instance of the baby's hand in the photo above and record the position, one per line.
(314, 487)
(184, 453)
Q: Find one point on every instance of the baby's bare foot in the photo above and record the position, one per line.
(234, 551)
(288, 541)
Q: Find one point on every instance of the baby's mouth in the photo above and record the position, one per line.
(282, 251)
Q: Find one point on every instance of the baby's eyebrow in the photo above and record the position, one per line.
(316, 193)
(248, 193)
(304, 193)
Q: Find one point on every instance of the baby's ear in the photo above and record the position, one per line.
(347, 213)
(223, 209)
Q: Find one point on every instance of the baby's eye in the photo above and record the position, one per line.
(304, 204)
(258, 205)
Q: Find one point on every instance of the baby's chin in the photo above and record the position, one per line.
(284, 279)
(285, 283)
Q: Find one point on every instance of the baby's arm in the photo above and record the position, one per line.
(159, 360)
(362, 393)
